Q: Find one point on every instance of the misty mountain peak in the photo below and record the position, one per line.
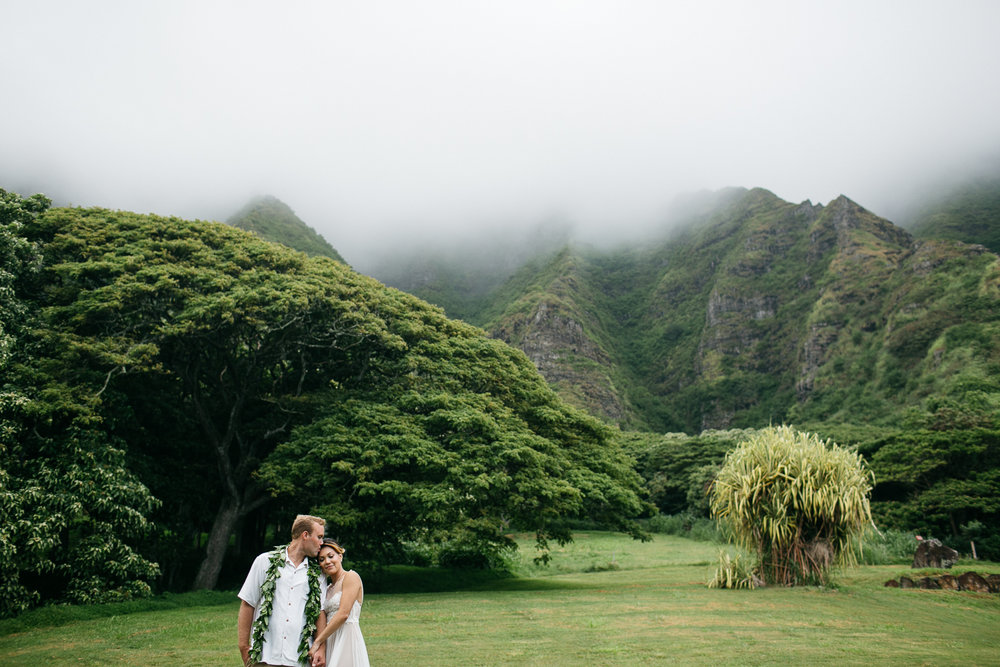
(751, 305)
(844, 202)
(273, 220)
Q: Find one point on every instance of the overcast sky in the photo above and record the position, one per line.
(384, 121)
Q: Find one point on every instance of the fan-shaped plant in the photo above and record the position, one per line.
(795, 500)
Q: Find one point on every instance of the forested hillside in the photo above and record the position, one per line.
(969, 212)
(754, 310)
(460, 272)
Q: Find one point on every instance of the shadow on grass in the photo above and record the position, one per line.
(413, 579)
(61, 614)
(393, 579)
(519, 584)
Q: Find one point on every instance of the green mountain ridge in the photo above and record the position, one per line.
(969, 212)
(756, 311)
(273, 220)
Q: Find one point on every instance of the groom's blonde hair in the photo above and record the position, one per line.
(304, 523)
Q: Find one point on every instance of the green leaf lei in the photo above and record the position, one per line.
(275, 560)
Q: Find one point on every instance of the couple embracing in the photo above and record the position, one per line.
(300, 606)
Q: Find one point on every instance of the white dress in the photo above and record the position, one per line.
(346, 646)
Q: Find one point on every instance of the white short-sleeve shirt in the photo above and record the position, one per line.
(281, 640)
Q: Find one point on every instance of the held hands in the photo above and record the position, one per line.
(317, 657)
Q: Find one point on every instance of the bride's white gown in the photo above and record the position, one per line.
(346, 646)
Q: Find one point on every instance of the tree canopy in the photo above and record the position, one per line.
(205, 324)
(944, 484)
(460, 443)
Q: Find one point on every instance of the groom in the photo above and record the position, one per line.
(281, 598)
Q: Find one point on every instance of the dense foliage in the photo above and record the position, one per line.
(18, 259)
(459, 443)
(70, 511)
(793, 500)
(938, 482)
(678, 469)
(944, 484)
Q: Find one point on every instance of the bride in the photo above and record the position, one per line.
(345, 647)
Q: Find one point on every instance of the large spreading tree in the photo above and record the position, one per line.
(208, 325)
(211, 347)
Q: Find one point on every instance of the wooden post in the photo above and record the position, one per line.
(974, 557)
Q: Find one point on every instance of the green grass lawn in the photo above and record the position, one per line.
(604, 600)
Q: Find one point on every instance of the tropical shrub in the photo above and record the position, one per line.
(795, 501)
(71, 513)
(734, 571)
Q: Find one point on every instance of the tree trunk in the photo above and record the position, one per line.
(218, 540)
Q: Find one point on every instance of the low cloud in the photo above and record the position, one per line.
(383, 123)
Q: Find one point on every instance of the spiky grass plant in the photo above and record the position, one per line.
(733, 572)
(794, 500)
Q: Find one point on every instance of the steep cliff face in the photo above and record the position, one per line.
(755, 311)
(741, 282)
(750, 304)
(552, 325)
(867, 251)
(567, 357)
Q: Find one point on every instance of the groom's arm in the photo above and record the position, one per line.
(318, 651)
(243, 623)
(249, 600)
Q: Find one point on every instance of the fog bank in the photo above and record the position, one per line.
(393, 122)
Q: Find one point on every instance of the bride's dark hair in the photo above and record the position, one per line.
(333, 545)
